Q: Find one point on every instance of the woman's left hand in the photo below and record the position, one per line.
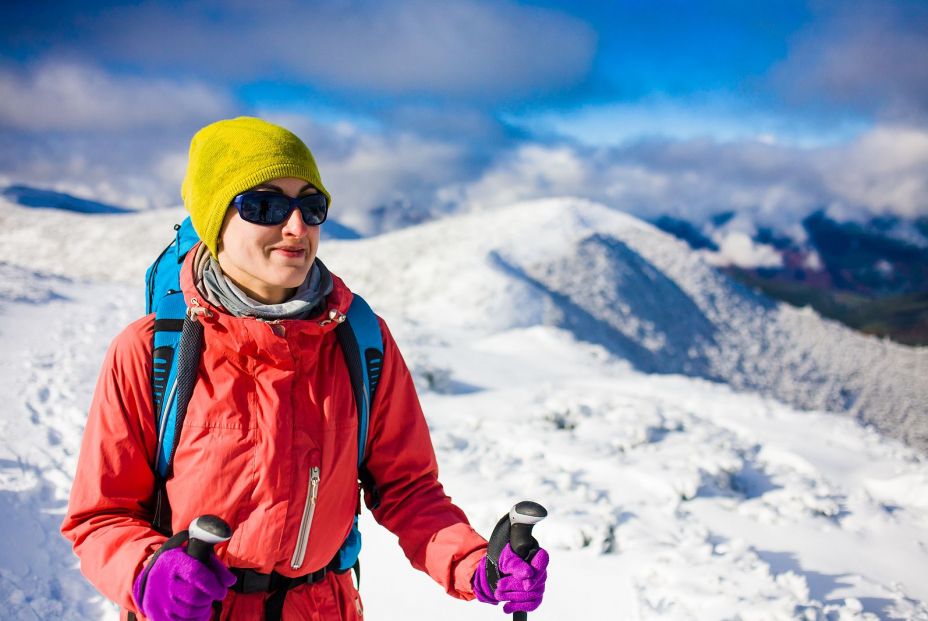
(521, 585)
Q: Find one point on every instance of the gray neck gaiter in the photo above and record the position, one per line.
(220, 290)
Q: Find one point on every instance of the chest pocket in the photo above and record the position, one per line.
(225, 397)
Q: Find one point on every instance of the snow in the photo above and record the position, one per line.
(673, 423)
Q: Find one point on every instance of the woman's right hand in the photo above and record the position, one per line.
(176, 586)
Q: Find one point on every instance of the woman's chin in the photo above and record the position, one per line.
(288, 277)
(289, 283)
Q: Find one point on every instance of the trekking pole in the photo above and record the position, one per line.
(514, 528)
(522, 517)
(205, 532)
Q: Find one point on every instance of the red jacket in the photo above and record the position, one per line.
(272, 401)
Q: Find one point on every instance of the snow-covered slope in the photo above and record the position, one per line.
(54, 332)
(613, 280)
(552, 343)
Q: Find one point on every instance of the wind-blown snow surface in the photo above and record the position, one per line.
(564, 354)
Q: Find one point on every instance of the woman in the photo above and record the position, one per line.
(272, 407)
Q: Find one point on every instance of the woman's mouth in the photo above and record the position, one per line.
(291, 253)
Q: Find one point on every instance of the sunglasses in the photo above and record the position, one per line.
(272, 208)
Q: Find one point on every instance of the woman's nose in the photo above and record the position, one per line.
(294, 224)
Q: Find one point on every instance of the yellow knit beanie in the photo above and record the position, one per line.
(231, 156)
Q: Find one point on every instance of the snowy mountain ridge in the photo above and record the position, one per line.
(616, 281)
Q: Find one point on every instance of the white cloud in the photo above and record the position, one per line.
(475, 49)
(60, 96)
(460, 48)
(532, 171)
(864, 55)
(367, 167)
(813, 261)
(718, 116)
(170, 167)
(886, 170)
(739, 249)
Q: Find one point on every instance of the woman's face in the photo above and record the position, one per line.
(268, 262)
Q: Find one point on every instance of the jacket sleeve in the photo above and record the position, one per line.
(433, 532)
(108, 517)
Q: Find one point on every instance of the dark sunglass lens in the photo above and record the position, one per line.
(278, 209)
(265, 208)
(313, 208)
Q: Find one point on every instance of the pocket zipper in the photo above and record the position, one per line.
(299, 552)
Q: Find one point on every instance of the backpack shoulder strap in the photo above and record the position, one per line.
(168, 329)
(178, 343)
(362, 345)
(176, 346)
(183, 376)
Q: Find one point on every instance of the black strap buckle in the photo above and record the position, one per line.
(250, 581)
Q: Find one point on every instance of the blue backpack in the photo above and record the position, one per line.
(178, 342)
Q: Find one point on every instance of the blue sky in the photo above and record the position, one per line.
(776, 108)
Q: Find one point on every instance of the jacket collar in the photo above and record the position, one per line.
(336, 303)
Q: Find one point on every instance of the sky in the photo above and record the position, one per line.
(415, 107)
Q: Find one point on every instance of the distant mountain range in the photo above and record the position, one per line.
(48, 199)
(871, 276)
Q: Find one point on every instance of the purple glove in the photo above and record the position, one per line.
(175, 586)
(521, 584)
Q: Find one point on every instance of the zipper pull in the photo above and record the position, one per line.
(334, 316)
(315, 475)
(195, 311)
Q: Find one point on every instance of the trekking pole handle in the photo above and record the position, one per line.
(205, 532)
(522, 517)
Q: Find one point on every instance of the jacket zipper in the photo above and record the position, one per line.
(299, 552)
